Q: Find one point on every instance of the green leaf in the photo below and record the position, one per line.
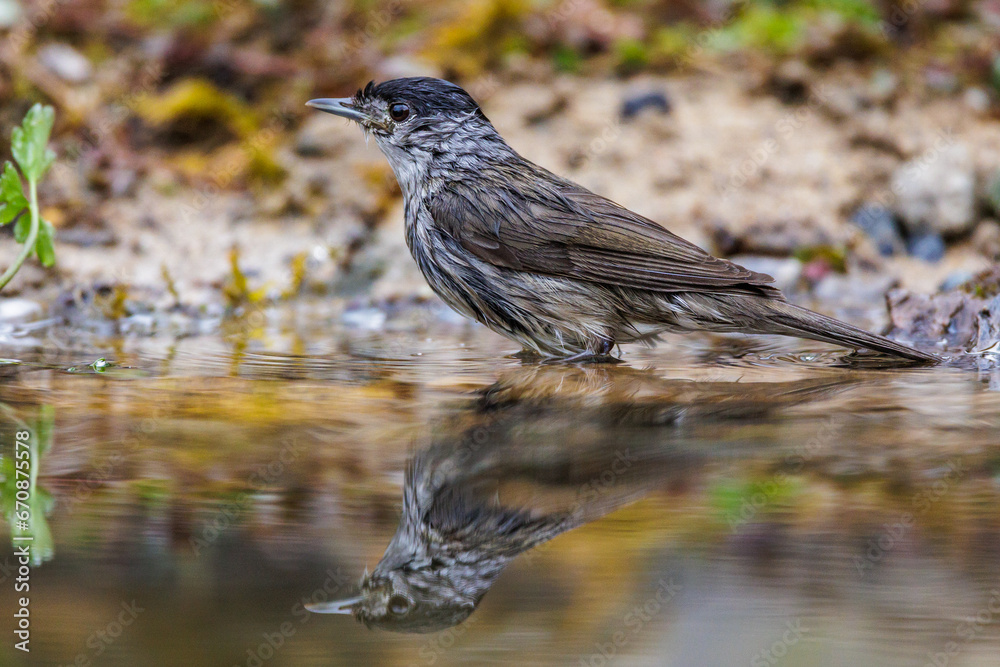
(44, 246)
(29, 142)
(12, 200)
(22, 228)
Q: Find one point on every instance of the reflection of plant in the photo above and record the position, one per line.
(29, 145)
(39, 502)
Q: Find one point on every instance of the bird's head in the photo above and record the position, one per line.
(414, 119)
(404, 599)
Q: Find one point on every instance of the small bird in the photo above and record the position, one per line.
(539, 259)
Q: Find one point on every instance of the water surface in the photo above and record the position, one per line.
(710, 502)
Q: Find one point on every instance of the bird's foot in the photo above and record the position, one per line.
(603, 356)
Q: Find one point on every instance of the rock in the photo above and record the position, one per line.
(774, 239)
(988, 328)
(937, 191)
(633, 105)
(545, 106)
(977, 99)
(991, 192)
(928, 246)
(929, 318)
(10, 13)
(87, 237)
(816, 270)
(318, 137)
(880, 224)
(789, 82)
(955, 280)
(65, 62)
(941, 79)
(986, 239)
(14, 310)
(853, 289)
(985, 284)
(883, 88)
(786, 272)
(367, 318)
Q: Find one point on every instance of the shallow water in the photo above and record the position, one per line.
(709, 502)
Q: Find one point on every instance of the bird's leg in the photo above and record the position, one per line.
(601, 355)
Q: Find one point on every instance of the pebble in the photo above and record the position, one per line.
(319, 137)
(789, 82)
(65, 62)
(636, 104)
(955, 280)
(865, 288)
(986, 239)
(929, 318)
(786, 272)
(977, 99)
(937, 191)
(928, 247)
(941, 80)
(988, 327)
(880, 224)
(19, 310)
(883, 87)
(10, 12)
(368, 318)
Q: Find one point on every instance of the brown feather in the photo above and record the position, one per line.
(561, 229)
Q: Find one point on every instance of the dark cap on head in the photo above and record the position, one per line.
(426, 95)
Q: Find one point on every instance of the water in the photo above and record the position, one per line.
(710, 502)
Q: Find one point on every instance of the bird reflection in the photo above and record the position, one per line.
(542, 451)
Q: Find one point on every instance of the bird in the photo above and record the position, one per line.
(481, 494)
(565, 272)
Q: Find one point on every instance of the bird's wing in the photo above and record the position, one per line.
(558, 228)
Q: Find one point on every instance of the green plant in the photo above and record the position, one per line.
(29, 145)
(24, 504)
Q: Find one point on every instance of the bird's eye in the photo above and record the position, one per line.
(399, 605)
(399, 112)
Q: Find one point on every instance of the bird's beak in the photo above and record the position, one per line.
(340, 106)
(345, 606)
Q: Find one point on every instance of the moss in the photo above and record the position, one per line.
(631, 55)
(197, 99)
(856, 11)
(566, 59)
(264, 170)
(173, 13)
(674, 46)
(237, 290)
(298, 268)
(834, 256)
(769, 29)
(478, 36)
(985, 285)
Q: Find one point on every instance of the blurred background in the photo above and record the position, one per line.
(235, 360)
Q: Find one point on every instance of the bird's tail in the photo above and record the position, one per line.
(797, 321)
